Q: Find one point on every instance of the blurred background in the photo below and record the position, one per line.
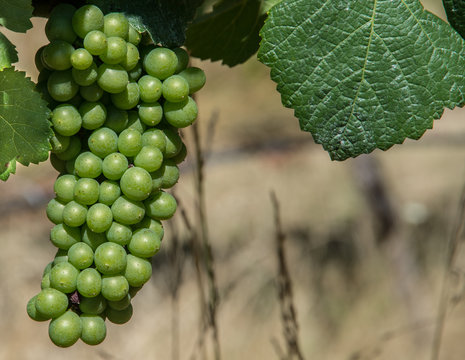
(366, 239)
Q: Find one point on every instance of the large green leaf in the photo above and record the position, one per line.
(24, 126)
(165, 20)
(455, 10)
(230, 32)
(362, 75)
(15, 15)
(8, 53)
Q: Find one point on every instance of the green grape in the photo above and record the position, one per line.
(88, 165)
(128, 98)
(86, 191)
(63, 277)
(103, 142)
(154, 137)
(116, 24)
(119, 316)
(109, 192)
(94, 330)
(152, 224)
(58, 26)
(173, 143)
(81, 59)
(69, 166)
(161, 205)
(45, 283)
(66, 120)
(61, 86)
(93, 239)
(64, 187)
(95, 42)
(86, 19)
(127, 211)
(93, 305)
(51, 303)
(160, 63)
(136, 183)
(129, 142)
(138, 271)
(180, 114)
(110, 258)
(149, 158)
(65, 330)
(150, 88)
(55, 211)
(144, 243)
(32, 310)
(60, 256)
(99, 218)
(41, 66)
(72, 151)
(114, 166)
(134, 122)
(175, 89)
(117, 119)
(81, 256)
(57, 55)
(119, 233)
(57, 164)
(93, 114)
(132, 57)
(59, 143)
(180, 156)
(150, 113)
(134, 290)
(91, 93)
(168, 174)
(48, 268)
(89, 282)
(112, 78)
(115, 52)
(183, 59)
(114, 288)
(74, 214)
(195, 77)
(135, 73)
(120, 304)
(87, 76)
(134, 36)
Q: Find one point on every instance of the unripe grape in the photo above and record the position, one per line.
(65, 330)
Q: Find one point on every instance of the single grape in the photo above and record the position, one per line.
(195, 77)
(117, 119)
(183, 59)
(93, 239)
(74, 214)
(95, 42)
(103, 142)
(114, 288)
(138, 271)
(128, 98)
(173, 143)
(180, 114)
(86, 19)
(99, 218)
(112, 78)
(59, 26)
(55, 211)
(127, 211)
(60, 256)
(93, 305)
(89, 282)
(81, 59)
(110, 258)
(114, 165)
(149, 158)
(88, 165)
(136, 183)
(119, 233)
(58, 164)
(44, 72)
(115, 52)
(65, 330)
(63, 277)
(61, 86)
(80, 255)
(87, 76)
(167, 176)
(93, 114)
(152, 224)
(32, 310)
(135, 73)
(64, 187)
(51, 303)
(160, 63)
(119, 316)
(72, 151)
(129, 142)
(161, 205)
(134, 36)
(66, 120)
(120, 304)
(132, 57)
(86, 191)
(57, 55)
(116, 24)
(180, 156)
(109, 192)
(91, 93)
(94, 330)
(144, 243)
(134, 122)
(154, 137)
(45, 283)
(151, 113)
(150, 88)
(175, 89)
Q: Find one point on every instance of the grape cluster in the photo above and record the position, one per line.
(117, 107)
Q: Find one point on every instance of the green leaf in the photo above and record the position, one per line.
(165, 20)
(8, 53)
(24, 127)
(15, 15)
(10, 168)
(455, 10)
(230, 32)
(362, 75)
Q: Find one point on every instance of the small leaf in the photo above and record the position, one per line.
(8, 53)
(455, 10)
(9, 168)
(165, 20)
(229, 33)
(362, 75)
(24, 126)
(15, 15)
